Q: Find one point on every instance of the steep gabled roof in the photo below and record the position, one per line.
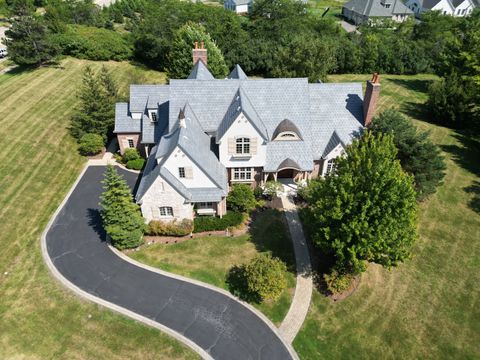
(241, 104)
(238, 73)
(376, 9)
(332, 144)
(200, 72)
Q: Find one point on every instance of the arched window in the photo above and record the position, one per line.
(287, 135)
(243, 145)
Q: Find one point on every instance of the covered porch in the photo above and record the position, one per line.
(288, 170)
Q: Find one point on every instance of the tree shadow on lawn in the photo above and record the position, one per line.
(417, 85)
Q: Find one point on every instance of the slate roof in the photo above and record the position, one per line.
(200, 72)
(429, 4)
(374, 8)
(238, 73)
(298, 151)
(123, 121)
(332, 144)
(151, 95)
(286, 125)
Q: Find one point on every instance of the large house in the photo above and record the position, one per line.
(446, 7)
(370, 11)
(238, 6)
(201, 135)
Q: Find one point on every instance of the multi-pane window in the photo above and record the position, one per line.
(330, 166)
(205, 205)
(243, 173)
(243, 146)
(166, 211)
(131, 144)
(153, 116)
(181, 172)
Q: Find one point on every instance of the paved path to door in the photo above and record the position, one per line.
(213, 323)
(303, 291)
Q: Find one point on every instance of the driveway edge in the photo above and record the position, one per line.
(81, 293)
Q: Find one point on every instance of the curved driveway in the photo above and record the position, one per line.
(221, 326)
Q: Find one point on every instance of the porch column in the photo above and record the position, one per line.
(275, 174)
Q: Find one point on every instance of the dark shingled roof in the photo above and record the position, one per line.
(288, 164)
(376, 9)
(200, 72)
(286, 125)
(238, 73)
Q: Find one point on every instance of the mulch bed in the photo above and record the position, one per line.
(345, 294)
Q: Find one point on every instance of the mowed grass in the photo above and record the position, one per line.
(428, 307)
(209, 258)
(39, 319)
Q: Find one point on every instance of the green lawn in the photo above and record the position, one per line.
(39, 319)
(427, 307)
(209, 259)
(319, 6)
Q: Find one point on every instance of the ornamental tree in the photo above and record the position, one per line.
(180, 57)
(418, 155)
(121, 217)
(241, 198)
(366, 210)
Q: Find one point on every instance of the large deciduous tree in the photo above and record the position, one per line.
(29, 42)
(121, 217)
(366, 210)
(418, 155)
(180, 57)
(96, 112)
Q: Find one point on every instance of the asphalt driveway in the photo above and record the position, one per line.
(223, 327)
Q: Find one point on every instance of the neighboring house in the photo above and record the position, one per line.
(445, 7)
(369, 11)
(239, 6)
(201, 134)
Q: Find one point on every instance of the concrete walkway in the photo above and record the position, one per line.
(303, 291)
(210, 321)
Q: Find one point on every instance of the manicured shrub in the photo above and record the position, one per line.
(258, 192)
(173, 228)
(93, 43)
(130, 154)
(337, 282)
(213, 223)
(272, 188)
(241, 198)
(265, 277)
(90, 144)
(136, 164)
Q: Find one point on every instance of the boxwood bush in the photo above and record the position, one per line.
(136, 164)
(130, 154)
(213, 223)
(86, 42)
(173, 228)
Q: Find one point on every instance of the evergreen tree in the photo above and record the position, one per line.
(416, 152)
(121, 217)
(180, 57)
(366, 210)
(96, 112)
(28, 42)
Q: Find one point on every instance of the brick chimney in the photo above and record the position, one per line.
(370, 100)
(199, 53)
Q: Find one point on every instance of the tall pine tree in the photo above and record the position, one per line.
(121, 217)
(96, 112)
(366, 210)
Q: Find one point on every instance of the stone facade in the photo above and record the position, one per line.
(123, 142)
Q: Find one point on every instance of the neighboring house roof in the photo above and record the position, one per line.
(238, 73)
(123, 121)
(284, 126)
(200, 72)
(374, 8)
(241, 2)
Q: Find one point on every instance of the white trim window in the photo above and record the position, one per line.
(242, 146)
(153, 116)
(330, 166)
(166, 211)
(131, 143)
(181, 172)
(242, 174)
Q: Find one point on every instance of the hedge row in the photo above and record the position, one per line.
(160, 228)
(213, 223)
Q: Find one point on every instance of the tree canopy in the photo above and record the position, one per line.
(418, 155)
(366, 210)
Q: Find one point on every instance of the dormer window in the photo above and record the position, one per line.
(287, 135)
(286, 130)
(387, 6)
(153, 116)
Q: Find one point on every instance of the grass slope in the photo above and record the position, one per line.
(427, 307)
(209, 259)
(38, 164)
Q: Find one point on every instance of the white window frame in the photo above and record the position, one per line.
(153, 116)
(204, 205)
(166, 211)
(131, 143)
(244, 144)
(287, 136)
(330, 166)
(181, 172)
(242, 174)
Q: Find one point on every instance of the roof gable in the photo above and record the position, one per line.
(200, 72)
(238, 73)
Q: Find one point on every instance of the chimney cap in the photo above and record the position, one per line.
(375, 78)
(196, 44)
